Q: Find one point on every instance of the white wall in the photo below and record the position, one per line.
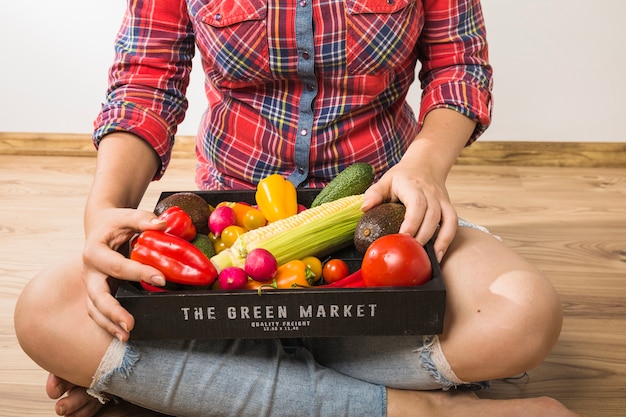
(559, 64)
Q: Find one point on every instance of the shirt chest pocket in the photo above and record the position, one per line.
(233, 37)
(381, 33)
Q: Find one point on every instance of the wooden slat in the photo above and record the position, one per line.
(548, 154)
(70, 144)
(551, 154)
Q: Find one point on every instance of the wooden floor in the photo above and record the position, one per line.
(571, 222)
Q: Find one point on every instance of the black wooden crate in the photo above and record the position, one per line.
(310, 312)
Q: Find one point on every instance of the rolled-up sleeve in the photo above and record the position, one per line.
(455, 70)
(148, 80)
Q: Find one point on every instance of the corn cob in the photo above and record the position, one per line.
(317, 231)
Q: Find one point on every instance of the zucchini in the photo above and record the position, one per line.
(353, 180)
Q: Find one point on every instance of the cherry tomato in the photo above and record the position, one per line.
(315, 265)
(240, 210)
(253, 219)
(218, 245)
(334, 270)
(230, 234)
(395, 260)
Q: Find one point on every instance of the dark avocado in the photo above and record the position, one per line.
(192, 204)
(384, 219)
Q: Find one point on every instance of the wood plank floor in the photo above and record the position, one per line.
(570, 222)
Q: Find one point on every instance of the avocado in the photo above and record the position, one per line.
(192, 204)
(353, 180)
(384, 219)
(203, 243)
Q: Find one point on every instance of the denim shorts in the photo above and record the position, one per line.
(272, 377)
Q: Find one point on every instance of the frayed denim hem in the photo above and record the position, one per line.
(118, 359)
(465, 223)
(433, 360)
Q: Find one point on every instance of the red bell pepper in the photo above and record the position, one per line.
(179, 223)
(178, 260)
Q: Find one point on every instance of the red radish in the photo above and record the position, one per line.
(232, 278)
(261, 265)
(220, 218)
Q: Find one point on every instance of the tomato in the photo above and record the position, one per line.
(218, 245)
(253, 219)
(395, 260)
(315, 265)
(230, 234)
(334, 270)
(240, 210)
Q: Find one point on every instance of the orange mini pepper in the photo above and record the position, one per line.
(293, 274)
(276, 197)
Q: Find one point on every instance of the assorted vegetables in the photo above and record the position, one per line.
(317, 231)
(278, 244)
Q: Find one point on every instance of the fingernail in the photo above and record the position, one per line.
(157, 280)
(123, 326)
(157, 221)
(439, 256)
(118, 337)
(61, 411)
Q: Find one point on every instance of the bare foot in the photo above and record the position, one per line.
(72, 401)
(467, 404)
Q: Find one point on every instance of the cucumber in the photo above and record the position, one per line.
(353, 180)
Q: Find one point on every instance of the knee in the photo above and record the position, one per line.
(29, 314)
(43, 307)
(533, 318)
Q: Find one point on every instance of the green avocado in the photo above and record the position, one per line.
(192, 204)
(384, 219)
(203, 243)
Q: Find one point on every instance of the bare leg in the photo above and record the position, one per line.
(54, 328)
(466, 404)
(502, 317)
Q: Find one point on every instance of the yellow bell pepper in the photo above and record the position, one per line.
(276, 197)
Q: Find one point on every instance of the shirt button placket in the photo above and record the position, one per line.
(306, 72)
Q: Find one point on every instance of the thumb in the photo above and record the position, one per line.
(372, 197)
(147, 220)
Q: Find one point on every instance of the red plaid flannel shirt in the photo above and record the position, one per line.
(299, 87)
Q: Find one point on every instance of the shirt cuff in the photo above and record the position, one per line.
(140, 121)
(467, 99)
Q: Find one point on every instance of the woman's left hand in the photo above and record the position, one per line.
(419, 179)
(426, 200)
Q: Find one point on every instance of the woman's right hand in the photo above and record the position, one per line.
(101, 261)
